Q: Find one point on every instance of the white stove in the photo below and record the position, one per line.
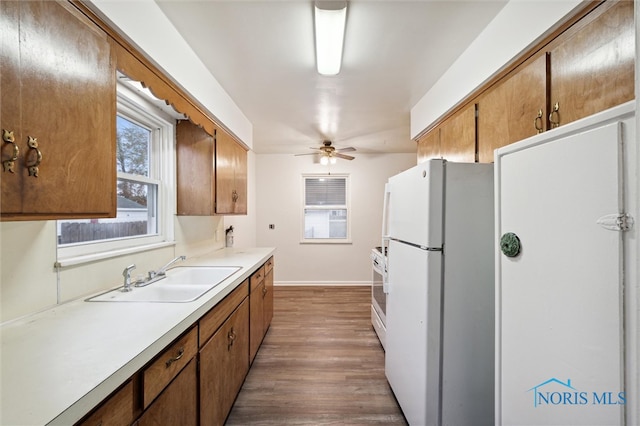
(378, 296)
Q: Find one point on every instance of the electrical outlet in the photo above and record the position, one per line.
(272, 226)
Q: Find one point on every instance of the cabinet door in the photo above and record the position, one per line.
(116, 410)
(231, 175)
(592, 65)
(429, 146)
(256, 311)
(178, 403)
(458, 136)
(195, 170)
(514, 109)
(559, 300)
(256, 315)
(268, 295)
(10, 103)
(66, 100)
(224, 363)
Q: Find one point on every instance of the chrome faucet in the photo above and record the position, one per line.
(127, 277)
(163, 271)
(158, 274)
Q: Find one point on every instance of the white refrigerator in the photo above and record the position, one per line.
(439, 356)
(566, 275)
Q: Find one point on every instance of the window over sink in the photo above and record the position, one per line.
(144, 154)
(325, 209)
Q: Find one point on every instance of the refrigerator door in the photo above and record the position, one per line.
(412, 358)
(559, 301)
(415, 205)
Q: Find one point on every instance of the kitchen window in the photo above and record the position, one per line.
(144, 153)
(326, 209)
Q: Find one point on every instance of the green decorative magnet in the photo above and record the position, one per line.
(510, 244)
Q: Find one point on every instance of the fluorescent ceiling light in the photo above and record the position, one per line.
(330, 20)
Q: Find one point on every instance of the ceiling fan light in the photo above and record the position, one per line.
(330, 21)
(333, 160)
(324, 160)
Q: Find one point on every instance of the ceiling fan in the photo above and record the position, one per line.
(329, 153)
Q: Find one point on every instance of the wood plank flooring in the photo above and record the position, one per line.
(319, 364)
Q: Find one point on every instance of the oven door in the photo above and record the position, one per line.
(378, 296)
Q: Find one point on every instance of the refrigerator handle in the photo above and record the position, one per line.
(385, 225)
(385, 238)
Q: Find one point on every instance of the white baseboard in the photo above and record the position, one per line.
(322, 283)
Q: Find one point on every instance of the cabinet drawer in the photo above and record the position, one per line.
(268, 266)
(168, 364)
(257, 278)
(212, 320)
(116, 410)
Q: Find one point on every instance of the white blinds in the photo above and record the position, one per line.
(325, 191)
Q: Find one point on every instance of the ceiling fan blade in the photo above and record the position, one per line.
(343, 156)
(307, 153)
(347, 149)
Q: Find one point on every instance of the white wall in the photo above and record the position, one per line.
(279, 200)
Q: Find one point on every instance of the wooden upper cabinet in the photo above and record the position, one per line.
(458, 136)
(58, 85)
(592, 64)
(231, 175)
(195, 153)
(513, 109)
(429, 145)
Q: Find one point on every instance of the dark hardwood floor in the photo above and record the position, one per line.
(319, 364)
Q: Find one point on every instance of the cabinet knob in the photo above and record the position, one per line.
(9, 164)
(234, 196)
(510, 244)
(537, 122)
(231, 337)
(554, 116)
(33, 165)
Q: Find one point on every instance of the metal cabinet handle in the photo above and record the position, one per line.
(537, 122)
(231, 337)
(555, 113)
(33, 146)
(264, 291)
(176, 358)
(9, 164)
(234, 196)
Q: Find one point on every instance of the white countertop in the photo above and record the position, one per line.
(59, 364)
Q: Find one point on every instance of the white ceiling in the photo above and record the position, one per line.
(262, 54)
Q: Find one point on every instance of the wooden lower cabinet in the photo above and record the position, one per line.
(268, 294)
(256, 312)
(177, 404)
(261, 306)
(116, 410)
(224, 363)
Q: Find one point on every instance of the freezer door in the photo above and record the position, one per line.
(415, 204)
(412, 358)
(559, 321)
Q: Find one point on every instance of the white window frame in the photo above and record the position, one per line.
(137, 109)
(303, 239)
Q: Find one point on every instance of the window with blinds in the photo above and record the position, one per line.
(325, 209)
